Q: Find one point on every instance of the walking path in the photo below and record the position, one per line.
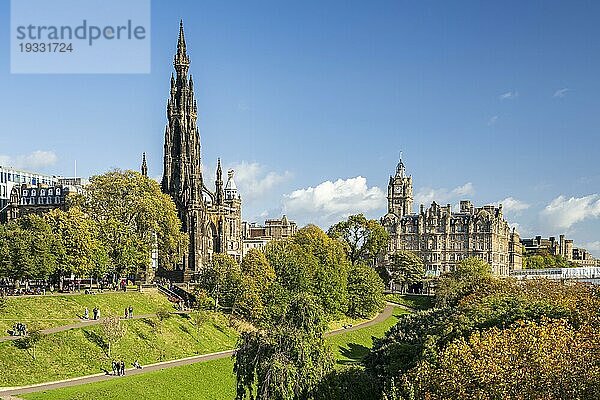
(387, 312)
(81, 324)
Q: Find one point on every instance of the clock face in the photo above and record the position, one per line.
(398, 189)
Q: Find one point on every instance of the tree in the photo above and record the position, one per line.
(365, 291)
(222, 280)
(471, 275)
(30, 342)
(364, 240)
(406, 268)
(28, 248)
(133, 216)
(289, 359)
(257, 277)
(113, 330)
(330, 279)
(547, 360)
(83, 254)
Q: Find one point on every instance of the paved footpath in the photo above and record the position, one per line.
(7, 392)
(83, 323)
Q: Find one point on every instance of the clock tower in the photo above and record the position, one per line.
(400, 192)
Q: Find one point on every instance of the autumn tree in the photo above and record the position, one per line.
(365, 240)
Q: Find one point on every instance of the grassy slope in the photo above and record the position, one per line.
(416, 301)
(211, 380)
(81, 351)
(351, 347)
(49, 311)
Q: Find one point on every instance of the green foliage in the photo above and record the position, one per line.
(330, 279)
(546, 260)
(364, 240)
(365, 291)
(30, 342)
(29, 249)
(406, 268)
(286, 361)
(133, 214)
(471, 274)
(222, 280)
(257, 275)
(348, 383)
(82, 253)
(112, 331)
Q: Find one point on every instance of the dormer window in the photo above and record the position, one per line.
(42, 192)
(33, 192)
(57, 191)
(24, 192)
(50, 192)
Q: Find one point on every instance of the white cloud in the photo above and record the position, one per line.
(509, 95)
(492, 120)
(330, 201)
(560, 93)
(428, 195)
(510, 204)
(562, 212)
(254, 181)
(592, 246)
(34, 160)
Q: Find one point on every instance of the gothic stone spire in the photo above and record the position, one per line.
(144, 165)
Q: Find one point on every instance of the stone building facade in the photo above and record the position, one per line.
(28, 199)
(257, 236)
(562, 247)
(211, 218)
(442, 237)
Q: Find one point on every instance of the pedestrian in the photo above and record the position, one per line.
(130, 311)
(137, 365)
(126, 313)
(122, 368)
(86, 313)
(95, 311)
(114, 367)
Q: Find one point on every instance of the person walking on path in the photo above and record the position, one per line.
(114, 367)
(130, 311)
(86, 313)
(122, 368)
(126, 313)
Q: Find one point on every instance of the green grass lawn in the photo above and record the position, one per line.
(212, 380)
(48, 311)
(416, 301)
(351, 347)
(82, 351)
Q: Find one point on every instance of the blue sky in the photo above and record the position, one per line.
(312, 101)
